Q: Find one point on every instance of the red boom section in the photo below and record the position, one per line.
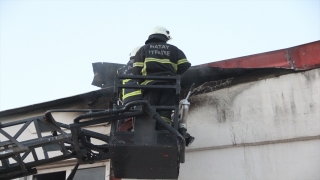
(303, 57)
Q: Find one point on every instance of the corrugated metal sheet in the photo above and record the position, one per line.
(303, 57)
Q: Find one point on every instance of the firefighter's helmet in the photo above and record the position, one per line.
(134, 51)
(161, 30)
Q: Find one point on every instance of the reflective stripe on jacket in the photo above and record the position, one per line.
(129, 94)
(159, 59)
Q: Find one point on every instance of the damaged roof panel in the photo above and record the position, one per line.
(302, 57)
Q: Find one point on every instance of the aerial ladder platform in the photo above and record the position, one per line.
(141, 153)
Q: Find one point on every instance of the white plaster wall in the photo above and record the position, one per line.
(286, 161)
(272, 109)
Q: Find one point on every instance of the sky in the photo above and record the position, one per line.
(47, 47)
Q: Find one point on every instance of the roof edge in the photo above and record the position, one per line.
(85, 97)
(301, 57)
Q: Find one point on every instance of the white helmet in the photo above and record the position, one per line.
(134, 51)
(161, 30)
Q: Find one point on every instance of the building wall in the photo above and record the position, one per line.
(268, 129)
(283, 161)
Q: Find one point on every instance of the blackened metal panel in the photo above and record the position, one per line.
(154, 160)
(145, 162)
(104, 73)
(144, 130)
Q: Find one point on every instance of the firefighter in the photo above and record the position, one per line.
(129, 94)
(157, 58)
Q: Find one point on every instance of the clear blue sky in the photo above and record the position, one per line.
(47, 47)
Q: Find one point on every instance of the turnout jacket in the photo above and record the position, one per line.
(129, 94)
(157, 58)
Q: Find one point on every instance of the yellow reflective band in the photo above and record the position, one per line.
(175, 67)
(162, 61)
(146, 82)
(181, 61)
(157, 60)
(125, 81)
(144, 70)
(134, 93)
(138, 64)
(166, 120)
